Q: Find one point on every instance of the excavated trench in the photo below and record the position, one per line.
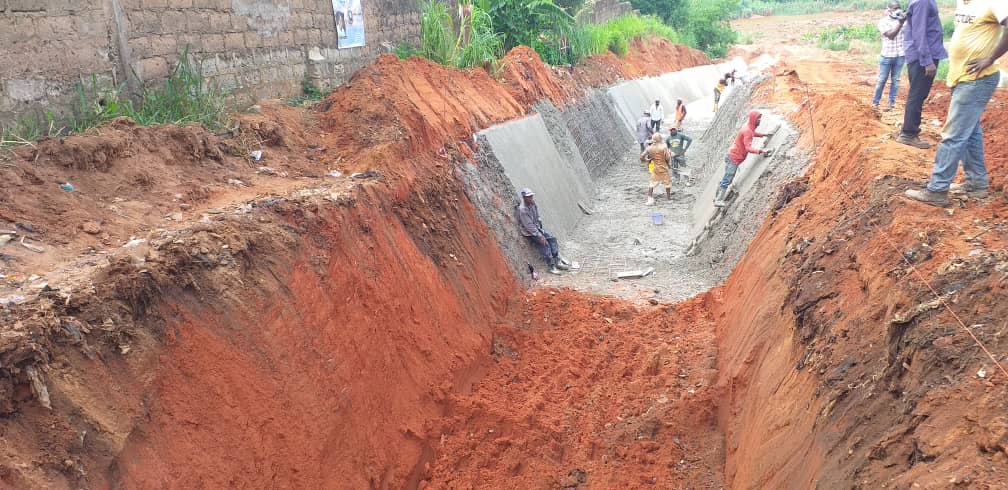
(374, 332)
(377, 336)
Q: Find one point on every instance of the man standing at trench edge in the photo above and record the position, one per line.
(738, 153)
(532, 229)
(924, 50)
(893, 56)
(980, 39)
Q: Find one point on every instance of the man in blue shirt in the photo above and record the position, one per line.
(924, 49)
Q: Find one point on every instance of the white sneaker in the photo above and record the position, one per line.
(554, 270)
(650, 201)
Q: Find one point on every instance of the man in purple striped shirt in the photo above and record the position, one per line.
(924, 49)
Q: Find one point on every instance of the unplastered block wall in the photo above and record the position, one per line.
(45, 49)
(253, 49)
(263, 49)
(601, 11)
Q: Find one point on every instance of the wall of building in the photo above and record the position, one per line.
(599, 11)
(252, 48)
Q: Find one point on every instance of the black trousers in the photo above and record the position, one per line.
(920, 88)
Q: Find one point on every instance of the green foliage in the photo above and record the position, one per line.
(484, 45)
(406, 51)
(748, 8)
(310, 94)
(475, 44)
(943, 68)
(534, 23)
(570, 6)
(26, 131)
(616, 36)
(708, 28)
(839, 38)
(184, 98)
(437, 32)
(948, 27)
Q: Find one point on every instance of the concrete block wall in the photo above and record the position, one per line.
(601, 11)
(253, 49)
(49, 46)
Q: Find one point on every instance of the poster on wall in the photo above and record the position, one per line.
(349, 22)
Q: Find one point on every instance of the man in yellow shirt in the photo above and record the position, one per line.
(980, 38)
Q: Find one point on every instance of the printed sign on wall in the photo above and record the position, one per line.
(349, 22)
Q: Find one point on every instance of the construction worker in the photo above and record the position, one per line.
(677, 144)
(658, 156)
(532, 228)
(722, 84)
(923, 46)
(644, 130)
(738, 153)
(657, 116)
(980, 38)
(680, 113)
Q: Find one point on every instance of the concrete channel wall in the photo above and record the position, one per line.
(633, 97)
(560, 154)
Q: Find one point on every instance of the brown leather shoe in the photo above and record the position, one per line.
(939, 199)
(913, 141)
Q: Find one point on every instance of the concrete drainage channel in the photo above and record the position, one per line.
(584, 158)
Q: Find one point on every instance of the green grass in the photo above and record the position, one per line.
(801, 7)
(185, 97)
(475, 43)
(310, 94)
(839, 38)
(25, 131)
(616, 36)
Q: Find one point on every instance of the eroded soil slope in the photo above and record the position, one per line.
(838, 363)
(286, 329)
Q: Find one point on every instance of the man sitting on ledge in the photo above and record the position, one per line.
(532, 228)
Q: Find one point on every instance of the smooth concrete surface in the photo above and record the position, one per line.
(633, 97)
(530, 158)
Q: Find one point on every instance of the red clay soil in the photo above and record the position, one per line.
(358, 311)
(840, 369)
(130, 181)
(589, 392)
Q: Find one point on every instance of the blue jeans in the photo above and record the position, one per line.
(889, 69)
(550, 250)
(920, 88)
(962, 137)
(729, 172)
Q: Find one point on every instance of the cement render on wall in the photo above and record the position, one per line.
(252, 48)
(530, 158)
(633, 97)
(561, 154)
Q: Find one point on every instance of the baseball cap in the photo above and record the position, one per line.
(526, 192)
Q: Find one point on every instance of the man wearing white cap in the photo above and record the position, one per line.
(532, 228)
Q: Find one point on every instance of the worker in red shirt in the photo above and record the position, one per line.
(738, 152)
